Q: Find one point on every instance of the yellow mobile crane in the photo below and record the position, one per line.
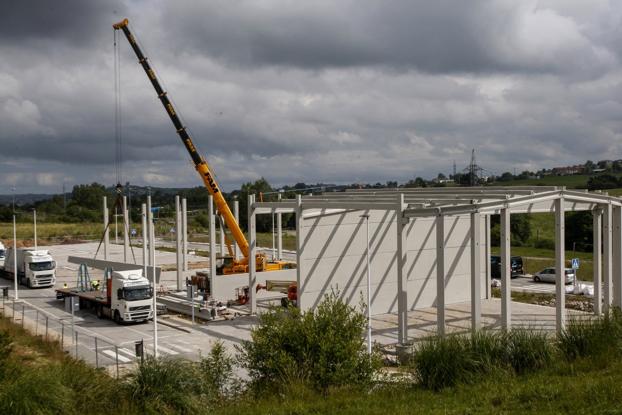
(230, 264)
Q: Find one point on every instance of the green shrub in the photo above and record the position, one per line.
(591, 337)
(165, 386)
(323, 348)
(528, 350)
(216, 370)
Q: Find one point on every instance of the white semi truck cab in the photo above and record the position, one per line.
(2, 255)
(130, 296)
(35, 268)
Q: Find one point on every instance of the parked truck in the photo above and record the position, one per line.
(125, 297)
(2, 255)
(35, 267)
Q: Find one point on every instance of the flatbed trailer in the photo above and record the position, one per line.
(126, 298)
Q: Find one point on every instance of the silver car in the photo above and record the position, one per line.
(548, 275)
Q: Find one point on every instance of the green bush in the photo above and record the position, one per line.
(440, 362)
(216, 369)
(323, 348)
(591, 337)
(165, 386)
(528, 350)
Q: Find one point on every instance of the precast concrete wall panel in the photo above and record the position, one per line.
(333, 258)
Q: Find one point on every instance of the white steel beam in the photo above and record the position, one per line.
(440, 275)
(607, 257)
(300, 237)
(236, 213)
(597, 223)
(107, 229)
(184, 235)
(126, 230)
(506, 272)
(560, 265)
(476, 275)
(279, 234)
(402, 272)
(488, 253)
(252, 266)
(178, 232)
(616, 258)
(212, 243)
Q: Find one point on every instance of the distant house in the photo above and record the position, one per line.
(568, 170)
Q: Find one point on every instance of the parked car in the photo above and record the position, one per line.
(548, 275)
(516, 265)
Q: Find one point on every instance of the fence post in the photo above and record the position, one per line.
(14, 311)
(96, 354)
(76, 344)
(46, 327)
(116, 350)
(62, 335)
(37, 324)
(23, 312)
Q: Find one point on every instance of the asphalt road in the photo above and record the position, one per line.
(526, 283)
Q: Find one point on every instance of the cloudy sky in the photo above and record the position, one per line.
(321, 91)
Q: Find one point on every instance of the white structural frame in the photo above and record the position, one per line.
(478, 203)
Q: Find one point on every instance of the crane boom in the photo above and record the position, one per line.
(199, 162)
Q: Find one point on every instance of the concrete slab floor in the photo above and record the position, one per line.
(422, 323)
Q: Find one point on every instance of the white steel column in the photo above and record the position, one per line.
(15, 287)
(126, 230)
(616, 258)
(34, 217)
(184, 236)
(560, 265)
(402, 272)
(143, 211)
(488, 253)
(236, 213)
(279, 234)
(506, 271)
(252, 266)
(300, 234)
(597, 223)
(106, 229)
(151, 227)
(607, 254)
(212, 243)
(440, 274)
(149, 219)
(178, 235)
(476, 274)
(221, 225)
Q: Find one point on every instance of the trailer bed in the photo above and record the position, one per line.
(96, 296)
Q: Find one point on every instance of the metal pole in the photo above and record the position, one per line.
(96, 354)
(106, 229)
(273, 237)
(279, 234)
(23, 312)
(76, 343)
(116, 226)
(116, 351)
(192, 300)
(153, 276)
(37, 323)
(143, 211)
(184, 241)
(368, 284)
(34, 215)
(16, 292)
(236, 213)
(126, 230)
(178, 233)
(73, 321)
(46, 327)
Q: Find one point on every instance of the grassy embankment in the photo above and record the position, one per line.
(577, 373)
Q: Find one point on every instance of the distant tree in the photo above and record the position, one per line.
(617, 166)
(263, 222)
(603, 181)
(589, 167)
(88, 196)
(441, 176)
(506, 177)
(520, 229)
(391, 185)
(579, 231)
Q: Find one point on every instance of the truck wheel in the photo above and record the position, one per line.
(28, 283)
(100, 312)
(117, 317)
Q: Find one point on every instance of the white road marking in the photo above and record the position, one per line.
(113, 356)
(181, 348)
(127, 352)
(166, 350)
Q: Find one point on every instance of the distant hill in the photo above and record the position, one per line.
(24, 199)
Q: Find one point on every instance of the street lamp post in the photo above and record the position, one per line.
(15, 294)
(366, 217)
(34, 218)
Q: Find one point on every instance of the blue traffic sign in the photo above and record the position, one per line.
(575, 263)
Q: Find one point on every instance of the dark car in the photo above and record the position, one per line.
(516, 265)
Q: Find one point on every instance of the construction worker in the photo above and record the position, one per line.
(65, 285)
(95, 285)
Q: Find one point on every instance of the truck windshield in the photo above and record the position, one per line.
(137, 293)
(42, 266)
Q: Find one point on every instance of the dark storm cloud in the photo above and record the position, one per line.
(445, 36)
(69, 21)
